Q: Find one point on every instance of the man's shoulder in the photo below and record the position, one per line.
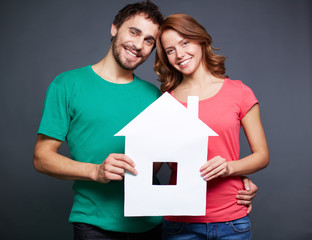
(145, 84)
(74, 72)
(69, 77)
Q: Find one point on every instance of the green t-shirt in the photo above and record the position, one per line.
(88, 111)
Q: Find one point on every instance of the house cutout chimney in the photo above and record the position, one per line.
(192, 105)
(164, 176)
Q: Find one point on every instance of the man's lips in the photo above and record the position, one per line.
(132, 53)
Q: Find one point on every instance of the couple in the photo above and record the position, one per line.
(87, 106)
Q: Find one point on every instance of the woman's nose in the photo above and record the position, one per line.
(180, 53)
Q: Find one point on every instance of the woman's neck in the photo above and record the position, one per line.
(200, 79)
(202, 84)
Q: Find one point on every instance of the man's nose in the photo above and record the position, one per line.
(138, 43)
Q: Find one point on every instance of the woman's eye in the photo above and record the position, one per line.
(169, 51)
(185, 43)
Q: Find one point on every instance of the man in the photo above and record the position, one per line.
(87, 106)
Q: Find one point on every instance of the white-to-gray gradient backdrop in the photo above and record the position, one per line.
(268, 44)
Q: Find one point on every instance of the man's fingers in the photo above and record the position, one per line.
(122, 157)
(241, 201)
(246, 197)
(112, 177)
(122, 166)
(249, 208)
(246, 182)
(130, 169)
(246, 203)
(114, 168)
(122, 162)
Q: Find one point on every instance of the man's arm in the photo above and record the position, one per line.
(47, 160)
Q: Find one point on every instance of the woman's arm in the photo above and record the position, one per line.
(254, 162)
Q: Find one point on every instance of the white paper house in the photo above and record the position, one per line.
(166, 131)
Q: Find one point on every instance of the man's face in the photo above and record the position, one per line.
(133, 41)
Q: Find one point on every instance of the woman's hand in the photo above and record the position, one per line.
(215, 167)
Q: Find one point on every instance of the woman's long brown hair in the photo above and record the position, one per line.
(190, 29)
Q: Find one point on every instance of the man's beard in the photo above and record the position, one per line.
(125, 65)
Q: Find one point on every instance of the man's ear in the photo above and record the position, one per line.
(113, 30)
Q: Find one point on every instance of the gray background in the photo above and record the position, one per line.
(268, 44)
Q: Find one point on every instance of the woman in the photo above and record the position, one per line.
(187, 66)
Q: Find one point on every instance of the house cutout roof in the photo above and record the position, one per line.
(166, 131)
(168, 114)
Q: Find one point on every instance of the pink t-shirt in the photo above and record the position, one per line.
(223, 114)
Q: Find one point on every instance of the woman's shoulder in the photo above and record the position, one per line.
(236, 84)
(238, 88)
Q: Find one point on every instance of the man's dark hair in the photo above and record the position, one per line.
(148, 8)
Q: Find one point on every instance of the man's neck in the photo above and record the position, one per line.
(111, 71)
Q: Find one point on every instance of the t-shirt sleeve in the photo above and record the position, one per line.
(55, 116)
(247, 101)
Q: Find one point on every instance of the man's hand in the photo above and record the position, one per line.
(245, 196)
(114, 168)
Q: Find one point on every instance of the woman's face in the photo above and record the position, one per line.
(183, 54)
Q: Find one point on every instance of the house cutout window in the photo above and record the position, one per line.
(164, 172)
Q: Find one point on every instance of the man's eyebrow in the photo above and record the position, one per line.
(140, 32)
(151, 38)
(136, 29)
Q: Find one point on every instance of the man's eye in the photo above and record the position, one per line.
(150, 42)
(133, 33)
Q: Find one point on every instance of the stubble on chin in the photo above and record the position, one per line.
(126, 64)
